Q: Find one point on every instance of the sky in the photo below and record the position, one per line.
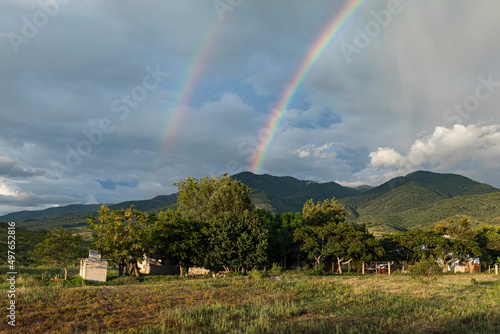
(104, 101)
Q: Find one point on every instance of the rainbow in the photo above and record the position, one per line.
(187, 84)
(279, 112)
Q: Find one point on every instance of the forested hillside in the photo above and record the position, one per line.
(418, 199)
(422, 198)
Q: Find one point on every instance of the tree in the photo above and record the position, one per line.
(413, 245)
(488, 239)
(235, 242)
(59, 248)
(179, 239)
(323, 212)
(206, 198)
(326, 234)
(123, 236)
(319, 220)
(446, 241)
(450, 227)
(313, 241)
(458, 241)
(349, 242)
(281, 227)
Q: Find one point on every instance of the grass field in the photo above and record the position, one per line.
(468, 303)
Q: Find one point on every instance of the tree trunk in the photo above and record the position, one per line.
(135, 268)
(65, 273)
(129, 268)
(339, 260)
(181, 270)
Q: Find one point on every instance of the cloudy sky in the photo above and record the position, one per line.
(105, 101)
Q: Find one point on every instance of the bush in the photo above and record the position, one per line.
(275, 270)
(317, 270)
(426, 270)
(257, 274)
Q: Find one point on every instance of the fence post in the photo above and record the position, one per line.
(363, 268)
(496, 269)
(389, 267)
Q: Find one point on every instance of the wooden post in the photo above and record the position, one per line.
(363, 268)
(389, 268)
(496, 269)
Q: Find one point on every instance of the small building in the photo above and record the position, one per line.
(94, 268)
(152, 265)
(470, 266)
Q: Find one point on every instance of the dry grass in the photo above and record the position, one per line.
(297, 304)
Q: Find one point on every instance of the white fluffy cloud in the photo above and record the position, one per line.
(459, 147)
(323, 152)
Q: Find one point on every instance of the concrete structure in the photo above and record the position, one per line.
(198, 271)
(470, 266)
(157, 266)
(94, 268)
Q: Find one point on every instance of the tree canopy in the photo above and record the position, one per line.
(207, 197)
(59, 248)
(123, 236)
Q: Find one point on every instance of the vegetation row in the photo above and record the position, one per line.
(216, 226)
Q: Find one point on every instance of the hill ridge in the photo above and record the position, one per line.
(393, 205)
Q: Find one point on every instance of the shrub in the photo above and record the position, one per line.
(426, 270)
(256, 274)
(275, 270)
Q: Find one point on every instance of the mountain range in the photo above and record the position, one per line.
(418, 199)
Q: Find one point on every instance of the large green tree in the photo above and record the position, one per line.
(207, 197)
(349, 242)
(413, 245)
(326, 234)
(59, 248)
(235, 242)
(281, 227)
(323, 212)
(313, 242)
(446, 240)
(488, 238)
(180, 239)
(123, 236)
(319, 220)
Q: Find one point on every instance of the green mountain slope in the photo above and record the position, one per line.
(404, 197)
(446, 185)
(287, 194)
(421, 199)
(74, 217)
(480, 209)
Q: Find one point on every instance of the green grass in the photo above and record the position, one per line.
(295, 304)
